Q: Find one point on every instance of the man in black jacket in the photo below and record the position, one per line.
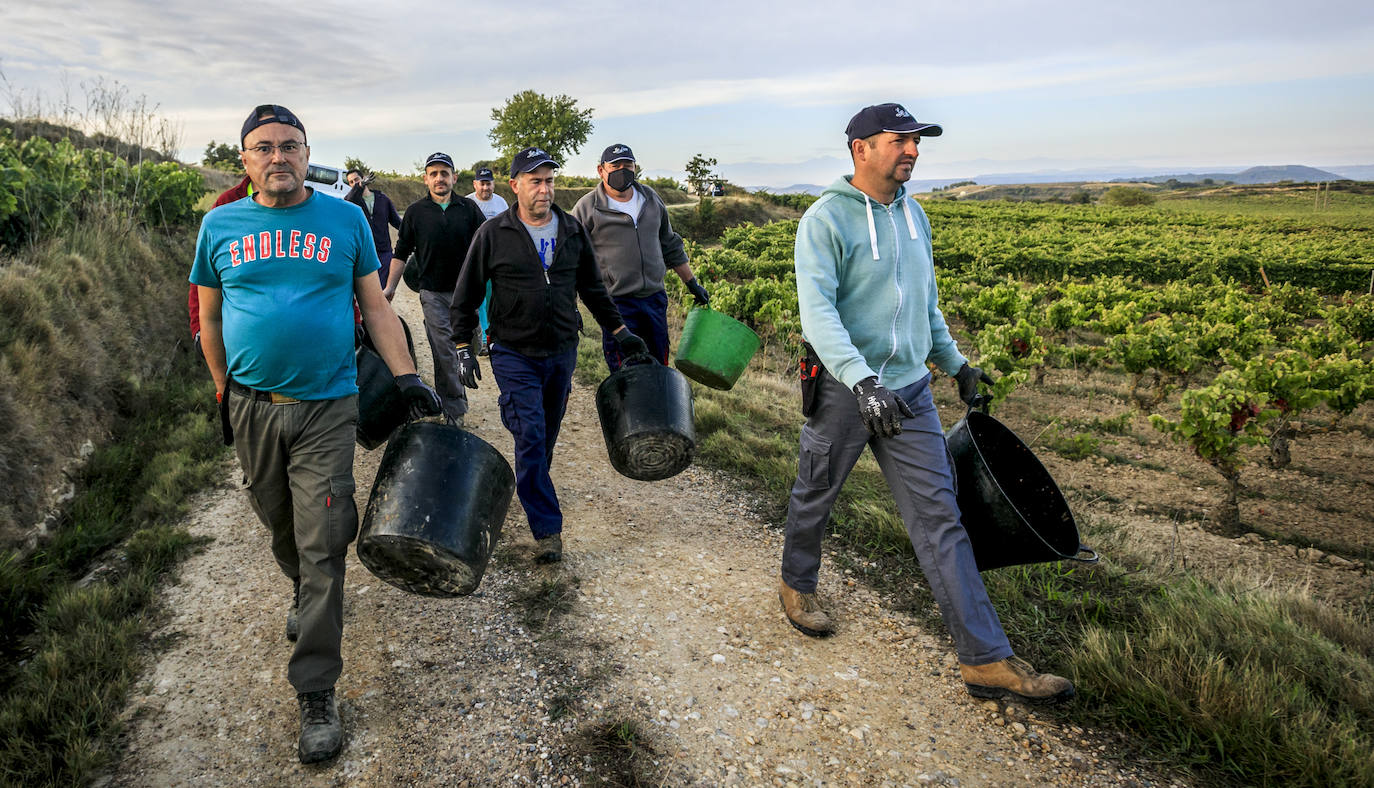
(438, 228)
(538, 260)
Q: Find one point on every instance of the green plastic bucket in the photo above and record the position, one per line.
(714, 348)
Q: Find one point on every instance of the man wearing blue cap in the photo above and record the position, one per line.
(538, 260)
(438, 228)
(635, 246)
(871, 319)
(276, 275)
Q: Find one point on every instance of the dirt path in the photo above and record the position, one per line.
(664, 615)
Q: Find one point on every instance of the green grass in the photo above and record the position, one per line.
(73, 650)
(621, 754)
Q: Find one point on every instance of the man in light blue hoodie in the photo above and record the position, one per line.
(871, 317)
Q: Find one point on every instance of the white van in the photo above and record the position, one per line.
(326, 180)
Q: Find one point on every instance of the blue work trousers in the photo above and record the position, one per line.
(647, 318)
(920, 475)
(534, 396)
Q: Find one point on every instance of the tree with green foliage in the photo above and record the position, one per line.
(532, 119)
(222, 156)
(355, 163)
(699, 175)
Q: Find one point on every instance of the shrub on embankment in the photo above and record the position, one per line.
(93, 260)
(91, 348)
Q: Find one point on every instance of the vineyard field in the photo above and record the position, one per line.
(1140, 348)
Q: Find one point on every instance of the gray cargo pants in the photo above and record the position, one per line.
(443, 348)
(918, 471)
(298, 459)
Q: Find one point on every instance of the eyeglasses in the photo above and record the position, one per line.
(287, 149)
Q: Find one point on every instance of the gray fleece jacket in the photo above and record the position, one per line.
(633, 256)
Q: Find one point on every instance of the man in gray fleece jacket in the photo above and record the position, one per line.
(635, 246)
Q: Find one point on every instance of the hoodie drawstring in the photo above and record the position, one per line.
(910, 223)
(872, 231)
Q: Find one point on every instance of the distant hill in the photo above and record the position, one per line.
(1288, 172)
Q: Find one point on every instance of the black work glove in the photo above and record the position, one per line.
(630, 344)
(968, 379)
(698, 292)
(880, 409)
(423, 400)
(469, 372)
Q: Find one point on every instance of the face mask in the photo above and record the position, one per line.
(620, 180)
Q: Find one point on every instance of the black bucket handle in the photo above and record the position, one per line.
(639, 359)
(1092, 558)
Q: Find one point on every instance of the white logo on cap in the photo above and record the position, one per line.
(619, 149)
(901, 113)
(536, 152)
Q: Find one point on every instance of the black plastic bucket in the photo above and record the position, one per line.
(1012, 509)
(646, 418)
(382, 408)
(435, 510)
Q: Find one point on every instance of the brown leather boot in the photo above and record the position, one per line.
(804, 612)
(1015, 676)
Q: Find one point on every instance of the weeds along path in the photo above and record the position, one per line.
(655, 654)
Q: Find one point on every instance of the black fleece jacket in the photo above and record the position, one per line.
(439, 238)
(532, 311)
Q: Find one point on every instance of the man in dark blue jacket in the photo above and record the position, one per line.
(538, 260)
(381, 216)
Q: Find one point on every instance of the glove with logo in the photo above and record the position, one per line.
(423, 400)
(968, 379)
(630, 344)
(881, 410)
(698, 292)
(468, 369)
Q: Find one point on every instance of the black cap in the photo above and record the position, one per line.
(887, 117)
(530, 159)
(617, 152)
(264, 114)
(483, 174)
(439, 158)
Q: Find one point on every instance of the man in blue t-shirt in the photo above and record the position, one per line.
(277, 275)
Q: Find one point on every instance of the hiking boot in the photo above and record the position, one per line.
(549, 550)
(293, 624)
(321, 730)
(1014, 676)
(804, 612)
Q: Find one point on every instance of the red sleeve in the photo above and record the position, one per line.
(193, 306)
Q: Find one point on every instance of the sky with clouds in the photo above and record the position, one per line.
(766, 88)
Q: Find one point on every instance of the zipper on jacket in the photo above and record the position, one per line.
(897, 281)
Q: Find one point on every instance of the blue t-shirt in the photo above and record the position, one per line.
(286, 279)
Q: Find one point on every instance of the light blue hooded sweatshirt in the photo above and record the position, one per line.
(866, 289)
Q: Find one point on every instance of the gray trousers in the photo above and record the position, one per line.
(918, 471)
(443, 347)
(298, 459)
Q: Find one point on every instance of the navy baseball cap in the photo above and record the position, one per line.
(888, 117)
(264, 114)
(530, 159)
(617, 152)
(483, 174)
(439, 158)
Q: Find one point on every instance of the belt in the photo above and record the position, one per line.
(261, 396)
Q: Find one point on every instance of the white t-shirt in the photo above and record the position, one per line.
(630, 206)
(489, 208)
